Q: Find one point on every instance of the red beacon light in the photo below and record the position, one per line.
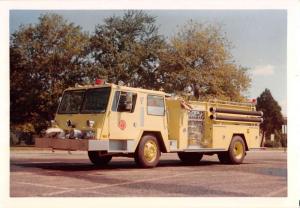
(99, 81)
(253, 101)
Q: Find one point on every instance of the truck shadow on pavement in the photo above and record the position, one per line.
(80, 166)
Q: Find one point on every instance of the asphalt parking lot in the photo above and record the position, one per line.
(60, 174)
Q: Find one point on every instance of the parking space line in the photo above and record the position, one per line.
(64, 189)
(139, 181)
(73, 189)
(58, 192)
(41, 185)
(116, 173)
(275, 193)
(100, 193)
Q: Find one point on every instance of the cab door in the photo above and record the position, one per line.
(156, 119)
(123, 118)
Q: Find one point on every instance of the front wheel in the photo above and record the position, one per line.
(148, 152)
(98, 159)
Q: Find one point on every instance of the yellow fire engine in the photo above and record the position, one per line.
(110, 120)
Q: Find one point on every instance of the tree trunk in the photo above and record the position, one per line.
(262, 139)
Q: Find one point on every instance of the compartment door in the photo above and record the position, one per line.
(196, 129)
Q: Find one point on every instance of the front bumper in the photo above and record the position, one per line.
(72, 144)
(109, 145)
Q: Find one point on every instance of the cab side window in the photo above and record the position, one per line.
(155, 105)
(124, 101)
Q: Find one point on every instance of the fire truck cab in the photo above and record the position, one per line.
(110, 120)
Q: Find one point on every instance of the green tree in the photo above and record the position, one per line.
(129, 49)
(199, 57)
(273, 118)
(125, 49)
(45, 58)
(53, 54)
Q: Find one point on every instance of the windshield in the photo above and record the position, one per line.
(71, 101)
(95, 100)
(84, 101)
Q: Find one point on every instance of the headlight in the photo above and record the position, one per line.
(89, 135)
(75, 134)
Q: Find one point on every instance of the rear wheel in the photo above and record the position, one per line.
(190, 157)
(98, 159)
(148, 152)
(236, 152)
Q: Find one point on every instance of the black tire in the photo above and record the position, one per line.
(97, 159)
(236, 152)
(190, 157)
(224, 158)
(148, 152)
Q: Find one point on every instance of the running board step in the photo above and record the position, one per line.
(205, 150)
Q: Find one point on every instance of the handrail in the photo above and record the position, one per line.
(230, 102)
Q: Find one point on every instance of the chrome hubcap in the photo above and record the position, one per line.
(150, 151)
(238, 150)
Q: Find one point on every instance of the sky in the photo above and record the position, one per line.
(258, 37)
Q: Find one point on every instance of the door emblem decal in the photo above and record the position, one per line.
(122, 124)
